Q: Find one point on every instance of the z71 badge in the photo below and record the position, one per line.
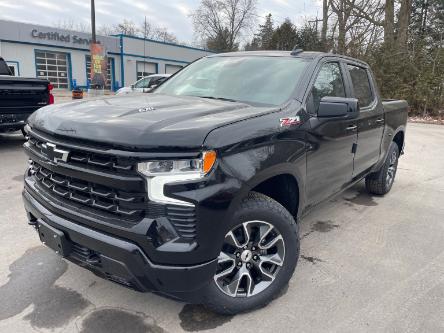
(290, 121)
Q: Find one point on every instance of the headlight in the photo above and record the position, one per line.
(160, 173)
(197, 166)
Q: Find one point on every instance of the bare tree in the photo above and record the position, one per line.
(223, 21)
(72, 25)
(325, 8)
(148, 30)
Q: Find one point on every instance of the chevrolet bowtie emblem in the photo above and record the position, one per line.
(51, 151)
(146, 109)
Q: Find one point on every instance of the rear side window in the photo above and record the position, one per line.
(361, 85)
(328, 83)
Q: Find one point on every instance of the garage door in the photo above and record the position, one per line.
(145, 69)
(171, 69)
(54, 67)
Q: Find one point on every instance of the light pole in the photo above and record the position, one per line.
(93, 21)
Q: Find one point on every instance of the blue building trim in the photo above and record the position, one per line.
(151, 58)
(68, 55)
(15, 62)
(43, 44)
(164, 43)
(122, 64)
(113, 75)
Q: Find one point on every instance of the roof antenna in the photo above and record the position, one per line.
(296, 50)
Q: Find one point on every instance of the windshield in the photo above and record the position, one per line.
(255, 79)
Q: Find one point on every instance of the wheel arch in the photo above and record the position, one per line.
(399, 139)
(281, 183)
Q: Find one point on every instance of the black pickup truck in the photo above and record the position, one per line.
(195, 190)
(20, 97)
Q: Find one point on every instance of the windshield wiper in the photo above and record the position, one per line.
(220, 98)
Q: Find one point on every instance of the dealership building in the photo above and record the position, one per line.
(62, 56)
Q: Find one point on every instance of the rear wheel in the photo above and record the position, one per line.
(381, 181)
(257, 259)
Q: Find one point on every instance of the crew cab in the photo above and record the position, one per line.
(20, 97)
(196, 190)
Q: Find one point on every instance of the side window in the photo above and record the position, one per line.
(142, 83)
(361, 85)
(328, 83)
(155, 81)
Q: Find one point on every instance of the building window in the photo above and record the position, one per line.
(53, 66)
(171, 69)
(108, 71)
(145, 69)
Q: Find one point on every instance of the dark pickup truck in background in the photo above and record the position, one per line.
(20, 97)
(195, 190)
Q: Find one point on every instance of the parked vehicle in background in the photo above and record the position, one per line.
(20, 97)
(195, 190)
(145, 84)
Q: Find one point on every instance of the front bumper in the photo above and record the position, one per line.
(120, 260)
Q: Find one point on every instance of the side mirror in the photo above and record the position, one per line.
(332, 107)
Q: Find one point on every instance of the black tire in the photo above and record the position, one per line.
(381, 182)
(259, 207)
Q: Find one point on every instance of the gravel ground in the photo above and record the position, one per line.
(368, 264)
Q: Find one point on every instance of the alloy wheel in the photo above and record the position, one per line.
(391, 171)
(251, 257)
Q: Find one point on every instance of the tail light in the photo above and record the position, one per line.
(51, 96)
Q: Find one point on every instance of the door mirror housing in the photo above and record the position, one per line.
(335, 107)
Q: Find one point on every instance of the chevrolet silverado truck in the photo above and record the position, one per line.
(195, 190)
(19, 98)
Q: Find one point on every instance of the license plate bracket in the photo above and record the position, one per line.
(54, 239)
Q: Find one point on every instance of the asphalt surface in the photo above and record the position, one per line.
(368, 264)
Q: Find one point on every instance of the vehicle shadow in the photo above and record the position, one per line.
(11, 141)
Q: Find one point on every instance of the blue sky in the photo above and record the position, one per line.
(170, 14)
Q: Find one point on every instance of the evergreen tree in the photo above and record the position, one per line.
(265, 34)
(285, 36)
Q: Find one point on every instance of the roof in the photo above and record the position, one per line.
(304, 54)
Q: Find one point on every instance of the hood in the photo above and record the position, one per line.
(143, 121)
(124, 90)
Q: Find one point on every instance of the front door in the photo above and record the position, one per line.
(370, 122)
(331, 141)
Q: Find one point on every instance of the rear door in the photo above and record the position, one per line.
(370, 121)
(331, 140)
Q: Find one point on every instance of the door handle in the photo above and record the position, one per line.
(380, 120)
(351, 128)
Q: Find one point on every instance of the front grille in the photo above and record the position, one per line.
(104, 187)
(127, 206)
(81, 158)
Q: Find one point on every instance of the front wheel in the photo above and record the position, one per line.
(257, 259)
(381, 182)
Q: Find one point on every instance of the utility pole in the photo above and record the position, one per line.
(93, 21)
(144, 46)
